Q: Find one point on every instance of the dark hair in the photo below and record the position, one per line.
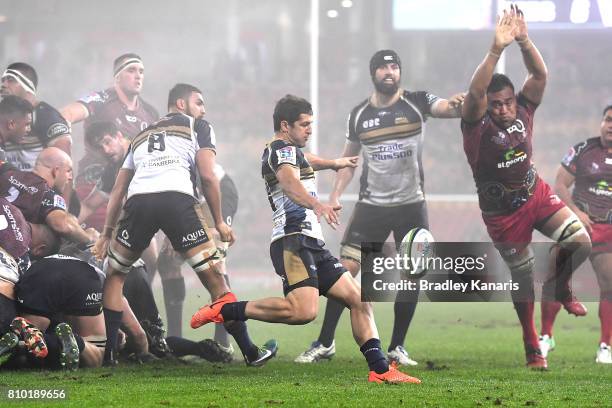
(27, 70)
(11, 104)
(96, 131)
(499, 82)
(384, 57)
(289, 108)
(606, 109)
(180, 91)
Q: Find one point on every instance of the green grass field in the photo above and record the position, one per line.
(470, 355)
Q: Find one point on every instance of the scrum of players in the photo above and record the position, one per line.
(77, 255)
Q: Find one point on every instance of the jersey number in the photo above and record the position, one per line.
(157, 141)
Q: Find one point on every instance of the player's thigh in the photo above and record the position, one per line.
(87, 326)
(346, 290)
(602, 264)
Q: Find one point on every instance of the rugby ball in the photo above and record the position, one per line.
(417, 247)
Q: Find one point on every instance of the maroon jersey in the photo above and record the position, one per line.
(30, 193)
(15, 232)
(501, 159)
(591, 163)
(106, 106)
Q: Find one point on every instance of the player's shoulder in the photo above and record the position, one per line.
(201, 124)
(50, 121)
(175, 119)
(277, 144)
(589, 144)
(360, 107)
(103, 96)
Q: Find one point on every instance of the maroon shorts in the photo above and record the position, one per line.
(601, 237)
(512, 232)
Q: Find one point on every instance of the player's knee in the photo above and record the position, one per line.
(304, 316)
(522, 266)
(571, 234)
(117, 262)
(350, 257)
(205, 259)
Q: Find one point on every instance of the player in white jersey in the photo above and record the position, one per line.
(158, 174)
(298, 256)
(389, 129)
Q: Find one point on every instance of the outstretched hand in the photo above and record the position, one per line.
(456, 100)
(343, 162)
(521, 25)
(506, 29)
(329, 212)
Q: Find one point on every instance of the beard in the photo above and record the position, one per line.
(386, 89)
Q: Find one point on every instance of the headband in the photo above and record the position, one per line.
(23, 80)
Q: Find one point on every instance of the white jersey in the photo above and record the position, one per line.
(163, 155)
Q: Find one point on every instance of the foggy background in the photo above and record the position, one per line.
(245, 55)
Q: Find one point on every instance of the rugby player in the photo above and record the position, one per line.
(15, 121)
(588, 167)
(497, 128)
(120, 104)
(158, 175)
(36, 194)
(49, 128)
(298, 256)
(390, 126)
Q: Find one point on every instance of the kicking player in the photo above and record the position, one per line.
(497, 128)
(298, 256)
(49, 128)
(390, 126)
(588, 167)
(158, 177)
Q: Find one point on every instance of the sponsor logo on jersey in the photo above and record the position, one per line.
(391, 151)
(518, 127)
(594, 167)
(512, 157)
(58, 202)
(95, 97)
(131, 119)
(602, 188)
(94, 297)
(567, 159)
(9, 219)
(499, 139)
(608, 160)
(57, 129)
(198, 236)
(21, 186)
(287, 154)
(370, 123)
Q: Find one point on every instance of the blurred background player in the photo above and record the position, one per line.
(390, 126)
(497, 128)
(120, 104)
(15, 122)
(588, 167)
(305, 267)
(48, 127)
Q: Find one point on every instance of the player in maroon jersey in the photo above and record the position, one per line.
(588, 167)
(497, 129)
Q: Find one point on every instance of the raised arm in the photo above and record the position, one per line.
(289, 180)
(318, 163)
(533, 88)
(475, 103)
(448, 108)
(345, 175)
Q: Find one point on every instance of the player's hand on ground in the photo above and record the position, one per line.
(100, 247)
(343, 162)
(225, 233)
(585, 220)
(456, 100)
(329, 212)
(505, 29)
(521, 25)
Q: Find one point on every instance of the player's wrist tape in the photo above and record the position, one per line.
(494, 54)
(525, 44)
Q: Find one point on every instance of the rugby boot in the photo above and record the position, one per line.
(212, 351)
(32, 337)
(316, 353)
(400, 355)
(268, 351)
(392, 376)
(212, 313)
(156, 337)
(8, 342)
(69, 354)
(547, 344)
(573, 306)
(535, 360)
